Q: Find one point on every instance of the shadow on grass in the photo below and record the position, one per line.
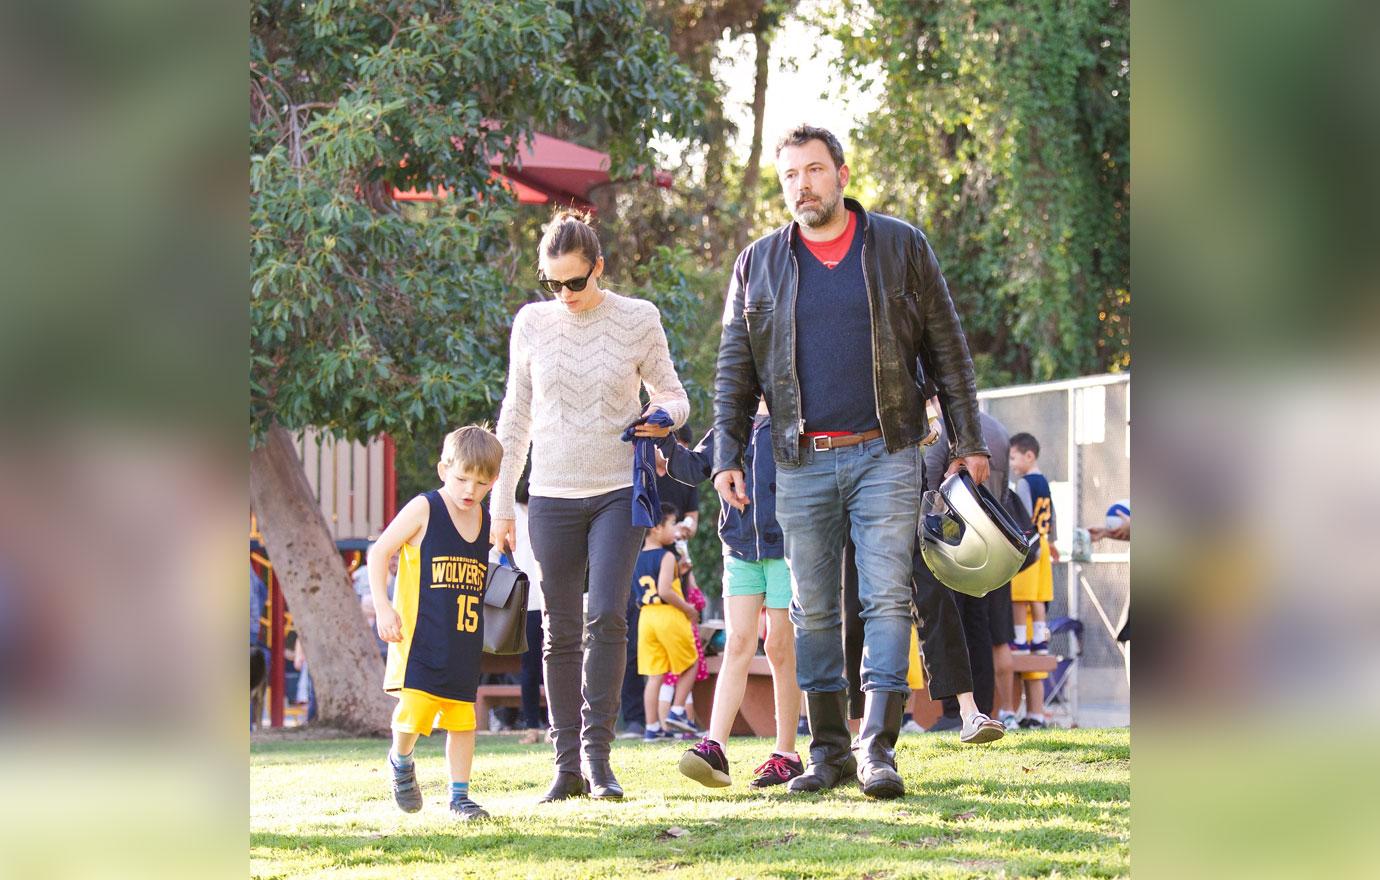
(774, 844)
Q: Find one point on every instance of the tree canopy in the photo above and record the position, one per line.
(1006, 136)
(367, 318)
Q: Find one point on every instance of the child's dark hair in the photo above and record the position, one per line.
(570, 232)
(668, 510)
(1025, 443)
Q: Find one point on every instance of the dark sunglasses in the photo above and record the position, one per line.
(575, 285)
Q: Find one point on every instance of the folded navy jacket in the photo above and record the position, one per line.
(646, 503)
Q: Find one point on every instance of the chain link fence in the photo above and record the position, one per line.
(1083, 426)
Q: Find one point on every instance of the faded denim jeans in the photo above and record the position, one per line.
(876, 496)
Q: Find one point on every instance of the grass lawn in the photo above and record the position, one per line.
(1033, 804)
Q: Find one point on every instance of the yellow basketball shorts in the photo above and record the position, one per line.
(665, 641)
(419, 712)
(915, 672)
(1035, 584)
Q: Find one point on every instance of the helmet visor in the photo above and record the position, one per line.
(938, 520)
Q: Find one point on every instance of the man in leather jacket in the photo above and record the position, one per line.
(831, 318)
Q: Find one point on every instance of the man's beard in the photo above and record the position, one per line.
(820, 214)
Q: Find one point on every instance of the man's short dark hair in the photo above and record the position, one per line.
(803, 134)
(1025, 443)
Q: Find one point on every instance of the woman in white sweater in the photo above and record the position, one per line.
(575, 371)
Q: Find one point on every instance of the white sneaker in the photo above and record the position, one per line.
(911, 727)
(981, 729)
(1010, 722)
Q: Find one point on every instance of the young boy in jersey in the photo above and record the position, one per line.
(665, 628)
(435, 625)
(1034, 587)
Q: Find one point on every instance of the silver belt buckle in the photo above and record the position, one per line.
(828, 444)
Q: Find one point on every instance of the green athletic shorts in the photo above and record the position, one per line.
(767, 577)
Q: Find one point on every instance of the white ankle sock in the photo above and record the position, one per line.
(1020, 635)
(1041, 631)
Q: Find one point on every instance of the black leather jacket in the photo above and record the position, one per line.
(915, 332)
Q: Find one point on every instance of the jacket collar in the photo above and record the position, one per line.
(788, 232)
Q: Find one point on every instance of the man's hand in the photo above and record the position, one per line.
(389, 624)
(732, 486)
(503, 535)
(978, 466)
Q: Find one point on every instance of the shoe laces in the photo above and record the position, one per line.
(778, 764)
(707, 745)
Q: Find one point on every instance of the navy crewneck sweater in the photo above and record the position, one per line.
(834, 342)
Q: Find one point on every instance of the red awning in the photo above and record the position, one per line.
(549, 169)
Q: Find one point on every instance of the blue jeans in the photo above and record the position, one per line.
(879, 492)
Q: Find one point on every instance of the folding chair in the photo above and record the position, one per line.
(1055, 684)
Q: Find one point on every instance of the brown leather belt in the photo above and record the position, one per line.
(825, 443)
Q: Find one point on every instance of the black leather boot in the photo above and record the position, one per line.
(565, 785)
(831, 762)
(602, 782)
(876, 748)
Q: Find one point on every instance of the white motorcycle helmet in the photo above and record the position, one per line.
(968, 540)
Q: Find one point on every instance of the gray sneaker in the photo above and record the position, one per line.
(981, 729)
(468, 810)
(405, 789)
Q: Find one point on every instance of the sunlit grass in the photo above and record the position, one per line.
(1052, 802)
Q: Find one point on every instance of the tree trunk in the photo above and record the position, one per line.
(342, 653)
(752, 174)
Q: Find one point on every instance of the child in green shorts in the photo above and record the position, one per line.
(755, 577)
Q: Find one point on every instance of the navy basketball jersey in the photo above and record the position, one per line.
(645, 576)
(440, 598)
(1041, 504)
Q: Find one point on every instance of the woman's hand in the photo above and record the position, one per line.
(648, 430)
(1120, 533)
(503, 535)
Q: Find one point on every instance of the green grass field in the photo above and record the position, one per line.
(1052, 803)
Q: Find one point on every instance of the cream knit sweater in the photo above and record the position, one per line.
(573, 383)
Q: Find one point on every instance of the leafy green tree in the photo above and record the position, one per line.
(1006, 136)
(369, 319)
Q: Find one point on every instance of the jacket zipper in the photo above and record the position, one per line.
(872, 318)
(799, 404)
(757, 486)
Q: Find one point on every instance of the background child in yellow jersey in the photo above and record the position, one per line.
(665, 628)
(434, 626)
(1033, 587)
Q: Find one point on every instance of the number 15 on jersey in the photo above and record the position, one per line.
(467, 618)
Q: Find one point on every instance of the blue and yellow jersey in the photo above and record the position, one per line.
(1036, 583)
(1041, 504)
(440, 598)
(645, 576)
